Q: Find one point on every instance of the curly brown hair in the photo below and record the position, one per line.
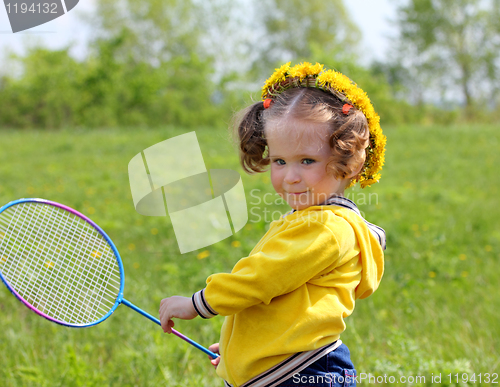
(349, 133)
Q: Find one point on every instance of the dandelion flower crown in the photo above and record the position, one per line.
(308, 75)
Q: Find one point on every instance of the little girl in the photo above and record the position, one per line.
(286, 302)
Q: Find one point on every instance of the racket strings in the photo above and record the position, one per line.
(27, 284)
(70, 274)
(73, 270)
(73, 275)
(58, 262)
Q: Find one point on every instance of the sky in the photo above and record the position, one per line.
(372, 16)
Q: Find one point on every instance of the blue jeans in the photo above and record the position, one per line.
(332, 370)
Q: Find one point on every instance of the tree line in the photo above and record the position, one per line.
(192, 63)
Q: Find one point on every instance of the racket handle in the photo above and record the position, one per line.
(177, 333)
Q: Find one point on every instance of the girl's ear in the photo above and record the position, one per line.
(357, 171)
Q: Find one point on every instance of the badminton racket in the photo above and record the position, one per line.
(62, 265)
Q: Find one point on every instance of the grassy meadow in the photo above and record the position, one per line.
(436, 311)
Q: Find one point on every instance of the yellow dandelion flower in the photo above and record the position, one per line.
(203, 254)
(154, 231)
(96, 254)
(488, 248)
(136, 265)
(278, 76)
(305, 69)
(432, 274)
(462, 257)
(131, 247)
(465, 274)
(3, 260)
(49, 264)
(236, 243)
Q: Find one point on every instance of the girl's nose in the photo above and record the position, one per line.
(292, 176)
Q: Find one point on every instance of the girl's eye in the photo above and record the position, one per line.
(307, 161)
(280, 161)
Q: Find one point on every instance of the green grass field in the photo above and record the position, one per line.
(436, 311)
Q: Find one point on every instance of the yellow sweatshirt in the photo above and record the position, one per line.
(286, 302)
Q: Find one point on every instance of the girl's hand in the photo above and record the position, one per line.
(214, 348)
(176, 306)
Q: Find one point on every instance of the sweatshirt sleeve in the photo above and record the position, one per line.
(286, 261)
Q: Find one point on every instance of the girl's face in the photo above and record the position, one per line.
(299, 154)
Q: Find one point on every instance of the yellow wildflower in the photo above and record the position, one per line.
(203, 254)
(302, 70)
(278, 76)
(49, 264)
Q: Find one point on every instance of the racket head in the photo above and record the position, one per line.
(73, 286)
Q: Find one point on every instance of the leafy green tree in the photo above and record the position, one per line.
(110, 88)
(294, 26)
(44, 95)
(295, 30)
(158, 30)
(449, 48)
(165, 45)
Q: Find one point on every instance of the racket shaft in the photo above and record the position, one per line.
(177, 333)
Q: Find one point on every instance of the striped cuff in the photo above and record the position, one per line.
(201, 305)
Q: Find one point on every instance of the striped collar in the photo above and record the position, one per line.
(342, 201)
